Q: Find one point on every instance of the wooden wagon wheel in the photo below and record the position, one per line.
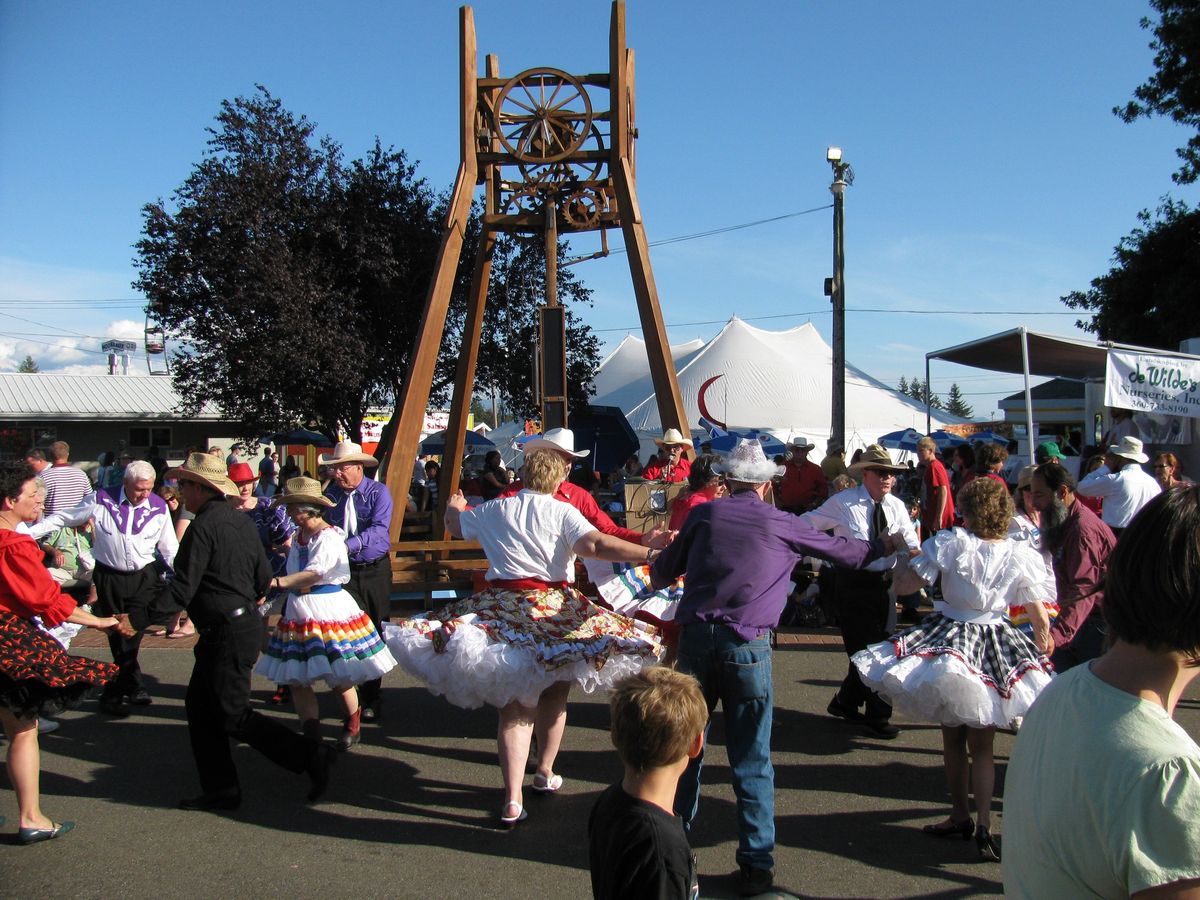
(543, 115)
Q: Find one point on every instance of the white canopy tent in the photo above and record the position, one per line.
(747, 377)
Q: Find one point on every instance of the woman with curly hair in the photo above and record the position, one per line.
(967, 667)
(523, 642)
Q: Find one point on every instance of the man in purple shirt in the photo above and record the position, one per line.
(363, 510)
(738, 554)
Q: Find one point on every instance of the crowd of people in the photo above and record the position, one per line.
(1062, 608)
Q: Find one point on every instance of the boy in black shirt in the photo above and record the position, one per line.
(638, 848)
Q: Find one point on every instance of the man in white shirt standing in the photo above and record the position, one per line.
(131, 525)
(866, 512)
(1125, 486)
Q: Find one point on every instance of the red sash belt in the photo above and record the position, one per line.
(527, 584)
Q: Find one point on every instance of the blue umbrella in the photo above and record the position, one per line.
(435, 444)
(901, 440)
(989, 437)
(945, 439)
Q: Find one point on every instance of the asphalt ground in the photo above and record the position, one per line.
(410, 812)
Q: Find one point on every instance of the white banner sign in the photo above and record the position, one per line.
(1157, 384)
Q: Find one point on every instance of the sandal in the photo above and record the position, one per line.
(544, 785)
(185, 629)
(511, 821)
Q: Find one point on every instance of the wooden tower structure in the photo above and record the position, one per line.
(551, 160)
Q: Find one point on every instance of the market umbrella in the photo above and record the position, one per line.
(945, 439)
(772, 446)
(301, 436)
(435, 444)
(901, 440)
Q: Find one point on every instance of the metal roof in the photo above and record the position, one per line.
(43, 396)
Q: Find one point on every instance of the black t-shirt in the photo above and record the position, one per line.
(638, 851)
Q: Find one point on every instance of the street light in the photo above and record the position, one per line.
(835, 288)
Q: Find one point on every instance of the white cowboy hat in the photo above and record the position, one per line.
(207, 470)
(672, 438)
(302, 491)
(748, 463)
(1129, 448)
(800, 442)
(348, 452)
(560, 440)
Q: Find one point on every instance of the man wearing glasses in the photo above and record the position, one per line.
(867, 512)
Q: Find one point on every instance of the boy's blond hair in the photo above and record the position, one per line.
(656, 716)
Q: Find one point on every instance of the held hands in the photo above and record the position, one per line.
(658, 538)
(905, 580)
(121, 625)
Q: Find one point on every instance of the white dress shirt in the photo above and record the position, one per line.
(1124, 492)
(848, 513)
(125, 536)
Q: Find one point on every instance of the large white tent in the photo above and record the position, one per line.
(746, 377)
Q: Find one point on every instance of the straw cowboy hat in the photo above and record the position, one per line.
(206, 469)
(303, 490)
(560, 440)
(875, 457)
(348, 452)
(672, 438)
(748, 463)
(240, 473)
(1129, 448)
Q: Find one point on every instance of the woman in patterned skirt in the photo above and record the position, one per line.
(967, 667)
(520, 644)
(36, 675)
(322, 634)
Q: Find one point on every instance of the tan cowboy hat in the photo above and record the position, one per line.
(875, 457)
(672, 438)
(303, 490)
(207, 470)
(348, 452)
(560, 440)
(800, 442)
(1129, 448)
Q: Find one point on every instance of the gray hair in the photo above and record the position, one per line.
(310, 508)
(139, 470)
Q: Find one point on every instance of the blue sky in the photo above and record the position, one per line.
(992, 176)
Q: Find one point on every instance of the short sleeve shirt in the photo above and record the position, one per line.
(529, 535)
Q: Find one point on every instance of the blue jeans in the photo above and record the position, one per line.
(738, 673)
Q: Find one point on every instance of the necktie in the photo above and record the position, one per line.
(351, 520)
(879, 523)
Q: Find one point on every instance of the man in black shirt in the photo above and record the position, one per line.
(221, 575)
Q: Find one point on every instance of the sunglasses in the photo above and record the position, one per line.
(882, 473)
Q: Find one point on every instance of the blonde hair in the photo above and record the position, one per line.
(926, 443)
(544, 471)
(656, 716)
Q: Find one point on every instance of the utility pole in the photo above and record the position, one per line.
(835, 288)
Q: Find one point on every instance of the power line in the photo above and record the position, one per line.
(727, 228)
(824, 312)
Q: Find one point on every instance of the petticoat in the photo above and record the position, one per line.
(36, 676)
(502, 645)
(324, 636)
(957, 673)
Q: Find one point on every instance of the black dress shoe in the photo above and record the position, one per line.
(318, 768)
(752, 881)
(222, 800)
(140, 697)
(835, 708)
(882, 728)
(114, 706)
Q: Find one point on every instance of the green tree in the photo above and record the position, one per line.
(1148, 297)
(1174, 89)
(902, 387)
(28, 365)
(956, 405)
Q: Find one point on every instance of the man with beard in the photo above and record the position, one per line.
(1080, 545)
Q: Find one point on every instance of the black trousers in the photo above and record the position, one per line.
(218, 708)
(371, 587)
(863, 601)
(125, 592)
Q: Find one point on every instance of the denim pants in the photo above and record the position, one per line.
(738, 673)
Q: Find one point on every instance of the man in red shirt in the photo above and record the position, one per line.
(937, 506)
(677, 466)
(803, 486)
